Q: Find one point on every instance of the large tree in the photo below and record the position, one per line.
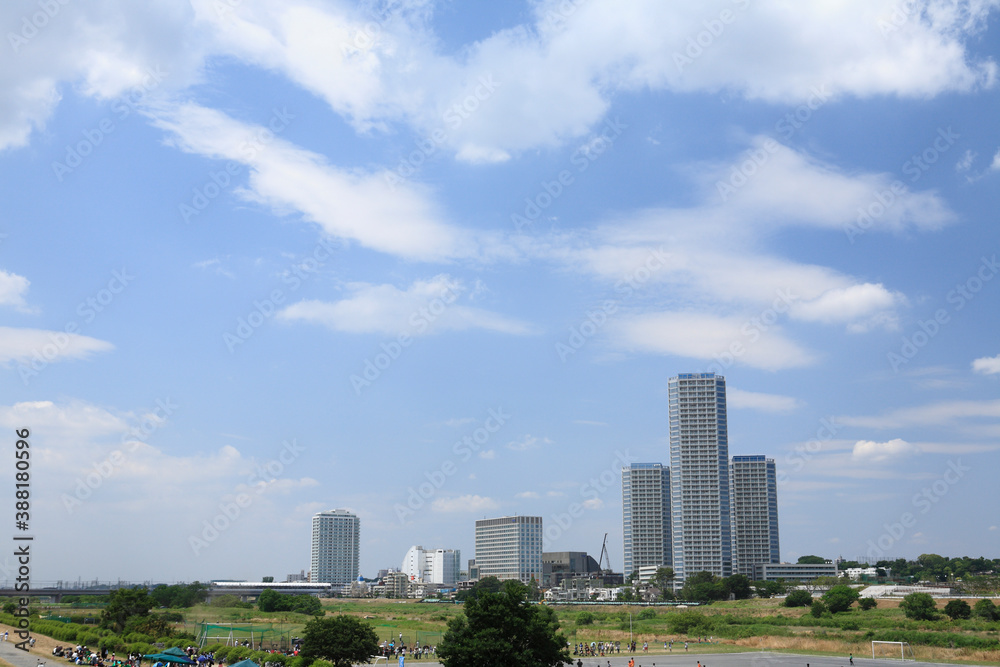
(840, 598)
(919, 607)
(503, 630)
(811, 560)
(958, 609)
(343, 640)
(123, 604)
(986, 610)
(664, 580)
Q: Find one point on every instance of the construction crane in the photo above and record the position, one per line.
(605, 556)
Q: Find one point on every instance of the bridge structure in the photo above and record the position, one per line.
(244, 590)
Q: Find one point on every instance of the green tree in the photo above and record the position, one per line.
(767, 589)
(798, 598)
(179, 595)
(503, 630)
(811, 560)
(864, 604)
(689, 623)
(270, 600)
(958, 609)
(986, 610)
(534, 592)
(817, 608)
(267, 580)
(123, 604)
(584, 618)
(738, 585)
(919, 607)
(663, 579)
(627, 595)
(704, 587)
(343, 640)
(840, 598)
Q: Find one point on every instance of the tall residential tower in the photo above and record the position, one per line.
(699, 475)
(646, 516)
(755, 513)
(336, 538)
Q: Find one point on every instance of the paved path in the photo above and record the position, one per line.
(17, 657)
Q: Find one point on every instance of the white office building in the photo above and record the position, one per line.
(699, 475)
(510, 547)
(646, 516)
(432, 566)
(336, 538)
(755, 513)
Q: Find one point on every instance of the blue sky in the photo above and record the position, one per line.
(433, 262)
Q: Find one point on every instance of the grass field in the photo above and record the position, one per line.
(732, 626)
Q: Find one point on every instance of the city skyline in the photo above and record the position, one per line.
(432, 262)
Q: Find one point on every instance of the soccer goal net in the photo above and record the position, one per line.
(892, 651)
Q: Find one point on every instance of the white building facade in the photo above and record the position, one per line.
(432, 566)
(336, 540)
(510, 547)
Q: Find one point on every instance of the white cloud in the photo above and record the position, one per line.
(24, 345)
(943, 413)
(467, 503)
(995, 165)
(527, 494)
(426, 306)
(880, 452)
(488, 454)
(12, 289)
(737, 398)
(353, 205)
(708, 337)
(862, 306)
(527, 442)
(965, 162)
(987, 365)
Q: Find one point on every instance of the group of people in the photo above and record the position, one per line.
(392, 649)
(595, 649)
(82, 655)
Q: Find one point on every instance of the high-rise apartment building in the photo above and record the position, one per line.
(510, 547)
(699, 475)
(336, 539)
(646, 516)
(432, 566)
(755, 513)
